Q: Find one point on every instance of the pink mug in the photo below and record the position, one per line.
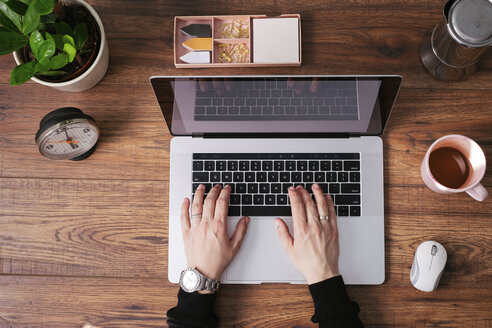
(475, 158)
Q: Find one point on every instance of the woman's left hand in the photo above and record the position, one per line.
(208, 248)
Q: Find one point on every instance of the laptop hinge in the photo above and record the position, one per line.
(272, 135)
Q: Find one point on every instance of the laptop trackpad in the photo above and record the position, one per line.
(262, 257)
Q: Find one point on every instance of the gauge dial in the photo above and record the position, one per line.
(68, 139)
(67, 133)
(190, 281)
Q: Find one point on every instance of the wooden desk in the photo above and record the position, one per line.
(86, 243)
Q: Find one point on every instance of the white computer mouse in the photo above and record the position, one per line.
(428, 265)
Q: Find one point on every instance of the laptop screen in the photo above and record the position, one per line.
(280, 105)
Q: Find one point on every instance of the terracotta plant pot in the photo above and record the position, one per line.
(94, 74)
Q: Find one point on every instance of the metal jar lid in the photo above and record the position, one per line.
(470, 22)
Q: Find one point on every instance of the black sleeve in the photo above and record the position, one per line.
(332, 307)
(193, 311)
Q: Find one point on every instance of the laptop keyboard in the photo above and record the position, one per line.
(272, 99)
(260, 182)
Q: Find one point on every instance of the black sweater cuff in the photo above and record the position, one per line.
(193, 310)
(331, 300)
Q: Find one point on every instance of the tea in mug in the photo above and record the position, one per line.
(449, 167)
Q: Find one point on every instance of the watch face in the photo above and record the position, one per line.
(190, 281)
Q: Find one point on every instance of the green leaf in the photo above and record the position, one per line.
(31, 20)
(11, 41)
(58, 41)
(58, 61)
(68, 39)
(63, 28)
(48, 19)
(9, 18)
(22, 73)
(40, 67)
(45, 51)
(7, 23)
(44, 7)
(35, 41)
(52, 73)
(81, 34)
(70, 51)
(48, 36)
(17, 6)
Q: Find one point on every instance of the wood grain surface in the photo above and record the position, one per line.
(85, 244)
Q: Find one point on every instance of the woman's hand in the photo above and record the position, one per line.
(314, 250)
(208, 248)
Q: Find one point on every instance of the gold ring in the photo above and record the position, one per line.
(323, 217)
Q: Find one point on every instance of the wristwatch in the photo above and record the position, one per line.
(191, 280)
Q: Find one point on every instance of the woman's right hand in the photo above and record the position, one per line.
(314, 249)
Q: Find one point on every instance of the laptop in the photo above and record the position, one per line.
(262, 134)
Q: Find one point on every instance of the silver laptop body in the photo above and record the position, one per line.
(261, 258)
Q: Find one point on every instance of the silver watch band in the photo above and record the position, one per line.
(208, 283)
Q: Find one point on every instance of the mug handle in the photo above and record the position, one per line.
(478, 192)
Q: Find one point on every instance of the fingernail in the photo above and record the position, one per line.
(217, 186)
(277, 223)
(316, 186)
(200, 186)
(227, 187)
(292, 188)
(299, 187)
(329, 196)
(246, 219)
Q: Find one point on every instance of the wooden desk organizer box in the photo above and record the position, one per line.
(215, 23)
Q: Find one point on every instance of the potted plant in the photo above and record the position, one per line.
(58, 43)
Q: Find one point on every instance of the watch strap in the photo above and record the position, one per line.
(207, 283)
